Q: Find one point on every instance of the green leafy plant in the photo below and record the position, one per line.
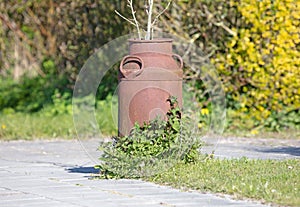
(29, 94)
(151, 147)
(61, 104)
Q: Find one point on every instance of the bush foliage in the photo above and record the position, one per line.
(260, 68)
(30, 94)
(255, 46)
(67, 32)
(152, 147)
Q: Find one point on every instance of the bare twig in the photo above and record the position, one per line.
(134, 21)
(156, 18)
(149, 12)
(196, 36)
(128, 20)
(149, 24)
(163, 11)
(211, 18)
(134, 18)
(227, 29)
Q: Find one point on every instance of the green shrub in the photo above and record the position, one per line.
(150, 148)
(60, 104)
(255, 48)
(29, 94)
(261, 65)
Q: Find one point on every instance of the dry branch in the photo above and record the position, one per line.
(134, 20)
(149, 24)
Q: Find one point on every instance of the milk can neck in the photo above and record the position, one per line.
(155, 46)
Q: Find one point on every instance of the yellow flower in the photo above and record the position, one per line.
(254, 132)
(3, 126)
(204, 111)
(200, 125)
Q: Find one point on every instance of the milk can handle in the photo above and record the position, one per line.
(134, 58)
(180, 60)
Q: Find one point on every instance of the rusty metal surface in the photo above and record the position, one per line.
(148, 76)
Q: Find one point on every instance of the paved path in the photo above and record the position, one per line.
(56, 173)
(253, 148)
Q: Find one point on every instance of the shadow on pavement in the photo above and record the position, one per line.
(89, 170)
(294, 151)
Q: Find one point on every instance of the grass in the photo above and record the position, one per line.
(42, 125)
(269, 181)
(14, 126)
(32, 126)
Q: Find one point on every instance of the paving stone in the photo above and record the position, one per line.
(56, 173)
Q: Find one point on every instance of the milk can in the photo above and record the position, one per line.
(148, 76)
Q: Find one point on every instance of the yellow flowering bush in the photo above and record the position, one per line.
(261, 67)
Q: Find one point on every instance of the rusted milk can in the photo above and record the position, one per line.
(148, 76)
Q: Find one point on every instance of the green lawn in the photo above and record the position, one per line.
(32, 126)
(268, 181)
(41, 125)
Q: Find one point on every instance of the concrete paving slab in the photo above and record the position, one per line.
(57, 173)
(252, 148)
